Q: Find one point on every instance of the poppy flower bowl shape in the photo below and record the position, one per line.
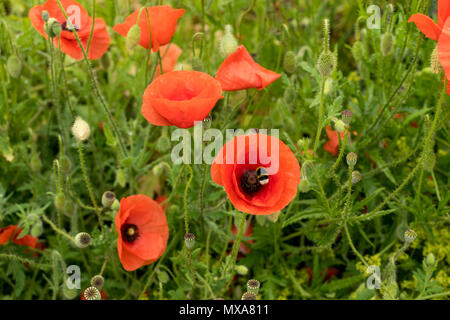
(143, 231)
(81, 22)
(259, 173)
(239, 71)
(180, 98)
(163, 22)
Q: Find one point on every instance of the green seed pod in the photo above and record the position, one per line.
(60, 200)
(436, 66)
(82, 240)
(431, 260)
(241, 270)
(356, 177)
(229, 44)
(249, 296)
(253, 286)
(410, 235)
(326, 63)
(289, 95)
(116, 205)
(189, 240)
(133, 37)
(387, 42)
(289, 62)
(358, 51)
(14, 66)
(35, 163)
(92, 293)
(352, 158)
(197, 64)
(98, 281)
(108, 199)
(163, 144)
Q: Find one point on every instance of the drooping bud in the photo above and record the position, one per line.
(289, 62)
(304, 185)
(45, 15)
(387, 42)
(356, 177)
(37, 229)
(14, 66)
(69, 208)
(358, 51)
(229, 44)
(116, 205)
(108, 199)
(60, 200)
(35, 163)
(189, 240)
(65, 164)
(163, 277)
(198, 36)
(328, 86)
(163, 144)
(53, 28)
(82, 240)
(98, 281)
(410, 235)
(352, 158)
(80, 129)
(133, 37)
(241, 269)
(249, 296)
(347, 116)
(159, 169)
(92, 293)
(436, 66)
(253, 286)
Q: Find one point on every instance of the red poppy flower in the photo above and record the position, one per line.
(160, 199)
(81, 20)
(239, 72)
(260, 173)
(169, 55)
(12, 233)
(332, 146)
(143, 231)
(163, 22)
(244, 249)
(180, 98)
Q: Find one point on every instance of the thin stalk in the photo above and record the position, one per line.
(320, 122)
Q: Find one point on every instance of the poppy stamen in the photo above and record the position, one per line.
(69, 26)
(130, 232)
(250, 183)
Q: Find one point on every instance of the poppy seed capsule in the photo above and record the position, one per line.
(92, 293)
(326, 63)
(189, 240)
(82, 240)
(356, 177)
(53, 28)
(249, 296)
(108, 199)
(80, 129)
(133, 37)
(97, 281)
(60, 200)
(45, 15)
(229, 44)
(253, 286)
(387, 42)
(352, 158)
(436, 66)
(347, 116)
(289, 62)
(410, 235)
(14, 66)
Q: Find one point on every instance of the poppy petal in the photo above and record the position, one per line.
(426, 25)
(443, 11)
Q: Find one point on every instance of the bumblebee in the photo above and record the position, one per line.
(262, 176)
(69, 26)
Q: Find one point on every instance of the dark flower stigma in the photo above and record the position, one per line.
(250, 183)
(130, 232)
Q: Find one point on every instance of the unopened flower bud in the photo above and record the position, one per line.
(92, 293)
(60, 200)
(197, 64)
(436, 66)
(69, 208)
(356, 177)
(108, 199)
(37, 229)
(133, 37)
(328, 86)
(431, 260)
(80, 129)
(163, 277)
(14, 66)
(121, 177)
(249, 296)
(82, 240)
(159, 169)
(339, 125)
(347, 116)
(358, 51)
(253, 286)
(98, 281)
(326, 63)
(242, 270)
(429, 161)
(410, 235)
(229, 44)
(162, 144)
(45, 15)
(289, 62)
(189, 240)
(304, 186)
(53, 28)
(352, 158)
(387, 42)
(35, 163)
(65, 164)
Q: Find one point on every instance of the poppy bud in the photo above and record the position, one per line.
(429, 161)
(37, 229)
(35, 163)
(249, 296)
(290, 95)
(273, 217)
(53, 28)
(197, 64)
(431, 260)
(253, 286)
(303, 186)
(163, 144)
(328, 86)
(65, 164)
(189, 240)
(356, 177)
(116, 205)
(82, 239)
(326, 63)
(45, 15)
(242, 270)
(410, 235)
(121, 178)
(303, 143)
(352, 158)
(163, 277)
(436, 66)
(98, 281)
(60, 199)
(159, 169)
(133, 37)
(357, 51)
(339, 125)
(229, 44)
(68, 293)
(80, 129)
(387, 42)
(92, 293)
(14, 66)
(347, 116)
(173, 209)
(69, 208)
(108, 199)
(289, 62)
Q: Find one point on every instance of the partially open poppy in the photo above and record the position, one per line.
(169, 56)
(143, 231)
(332, 146)
(163, 22)
(259, 173)
(82, 23)
(180, 98)
(239, 71)
(12, 232)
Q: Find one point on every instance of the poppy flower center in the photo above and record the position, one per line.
(181, 95)
(250, 183)
(130, 232)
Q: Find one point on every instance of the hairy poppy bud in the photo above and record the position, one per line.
(45, 15)
(303, 186)
(163, 277)
(289, 95)
(37, 229)
(98, 281)
(249, 296)
(14, 66)
(328, 86)
(352, 158)
(82, 240)
(197, 64)
(121, 177)
(289, 62)
(339, 125)
(163, 144)
(387, 42)
(410, 235)
(358, 51)
(35, 163)
(65, 164)
(160, 169)
(431, 260)
(116, 205)
(133, 37)
(80, 129)
(229, 44)
(436, 66)
(53, 28)
(92, 293)
(69, 208)
(242, 270)
(356, 177)
(429, 161)
(253, 286)
(189, 240)
(60, 200)
(108, 199)
(326, 63)
(347, 116)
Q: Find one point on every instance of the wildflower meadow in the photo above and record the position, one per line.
(224, 150)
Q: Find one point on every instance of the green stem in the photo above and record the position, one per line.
(186, 222)
(321, 111)
(58, 230)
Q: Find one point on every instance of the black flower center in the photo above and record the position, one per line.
(250, 183)
(130, 232)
